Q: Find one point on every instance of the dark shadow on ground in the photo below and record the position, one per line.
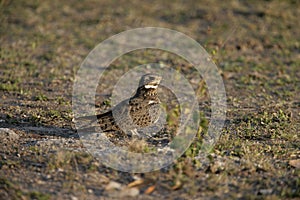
(38, 129)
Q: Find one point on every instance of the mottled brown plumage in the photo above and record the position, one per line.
(140, 111)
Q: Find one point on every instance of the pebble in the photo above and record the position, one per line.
(265, 191)
(129, 192)
(74, 198)
(8, 134)
(295, 163)
(113, 185)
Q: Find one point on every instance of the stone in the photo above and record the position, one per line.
(7, 134)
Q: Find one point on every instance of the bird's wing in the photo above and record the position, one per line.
(105, 121)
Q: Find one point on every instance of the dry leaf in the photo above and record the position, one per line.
(150, 189)
(135, 183)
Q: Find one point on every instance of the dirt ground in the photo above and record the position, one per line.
(255, 44)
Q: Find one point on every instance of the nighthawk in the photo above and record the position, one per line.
(138, 112)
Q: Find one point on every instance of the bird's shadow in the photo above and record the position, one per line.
(40, 129)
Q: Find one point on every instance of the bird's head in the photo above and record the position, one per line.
(150, 81)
